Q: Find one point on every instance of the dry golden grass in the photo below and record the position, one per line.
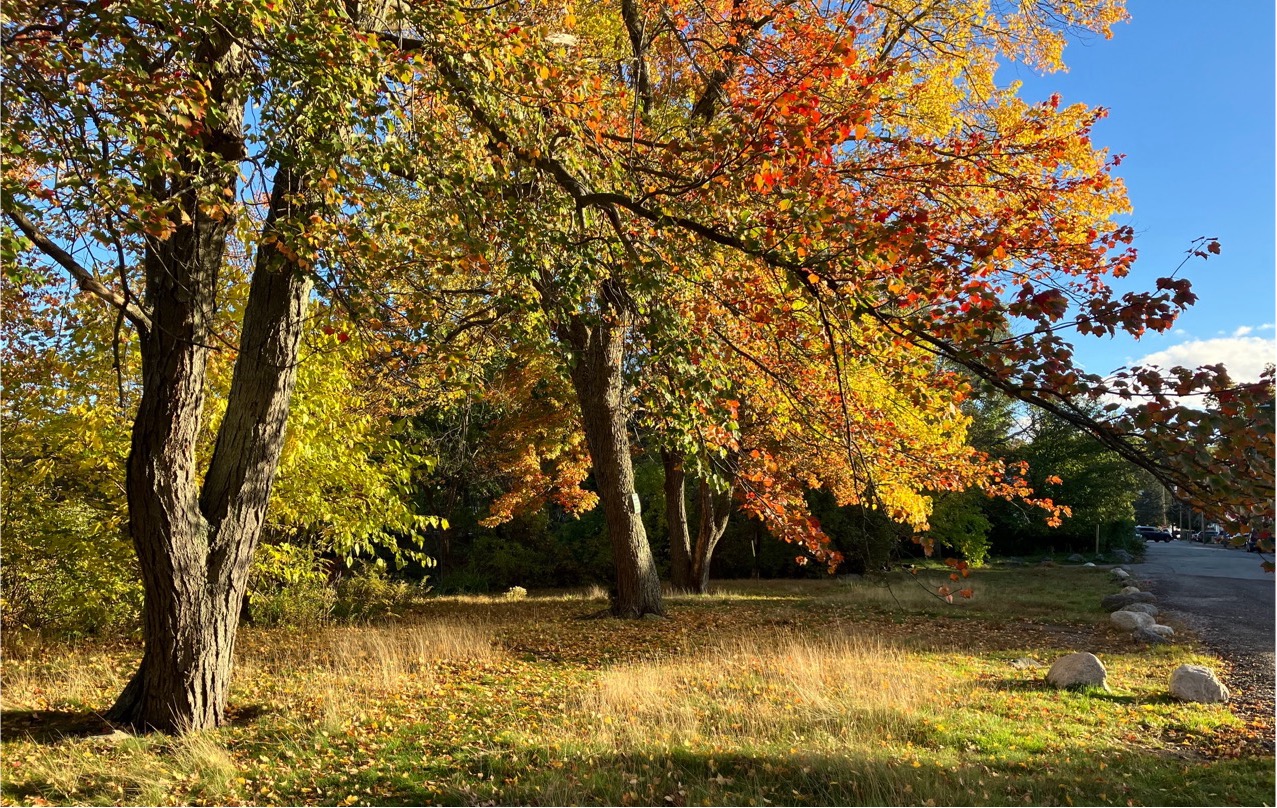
(144, 771)
(70, 674)
(345, 666)
(758, 690)
(376, 653)
(768, 697)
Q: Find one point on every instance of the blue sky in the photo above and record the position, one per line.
(1190, 92)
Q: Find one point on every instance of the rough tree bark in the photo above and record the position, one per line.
(195, 546)
(598, 345)
(715, 508)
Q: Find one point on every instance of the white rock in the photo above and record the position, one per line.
(1089, 564)
(1197, 683)
(1130, 590)
(1146, 608)
(1165, 631)
(1121, 574)
(1076, 670)
(1131, 620)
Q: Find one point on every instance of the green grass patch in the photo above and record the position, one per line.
(872, 692)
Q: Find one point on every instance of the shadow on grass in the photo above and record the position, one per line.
(54, 726)
(692, 777)
(51, 726)
(1040, 686)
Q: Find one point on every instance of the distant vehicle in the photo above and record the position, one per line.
(1150, 533)
(1212, 535)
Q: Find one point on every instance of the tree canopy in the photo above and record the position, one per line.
(778, 237)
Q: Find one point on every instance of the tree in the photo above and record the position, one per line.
(872, 167)
(1098, 486)
(860, 158)
(129, 126)
(866, 158)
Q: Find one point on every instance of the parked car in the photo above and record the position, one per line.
(1150, 533)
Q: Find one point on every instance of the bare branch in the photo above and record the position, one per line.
(86, 280)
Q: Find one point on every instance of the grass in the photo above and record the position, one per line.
(814, 693)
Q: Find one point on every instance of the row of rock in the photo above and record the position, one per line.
(1187, 682)
(1135, 611)
(1119, 555)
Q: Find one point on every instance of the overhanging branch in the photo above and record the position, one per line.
(86, 280)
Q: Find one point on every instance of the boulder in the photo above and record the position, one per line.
(1089, 564)
(1120, 574)
(1075, 559)
(1129, 590)
(1146, 608)
(1197, 683)
(1114, 602)
(1149, 636)
(1122, 556)
(1164, 631)
(1024, 663)
(1078, 670)
(1131, 620)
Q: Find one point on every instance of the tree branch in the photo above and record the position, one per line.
(83, 277)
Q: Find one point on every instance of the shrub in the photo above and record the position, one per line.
(289, 586)
(65, 574)
(368, 594)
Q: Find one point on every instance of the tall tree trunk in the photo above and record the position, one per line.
(195, 547)
(676, 521)
(599, 346)
(715, 508)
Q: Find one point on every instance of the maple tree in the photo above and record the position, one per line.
(849, 176)
(857, 159)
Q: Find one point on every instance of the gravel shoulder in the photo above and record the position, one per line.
(1222, 596)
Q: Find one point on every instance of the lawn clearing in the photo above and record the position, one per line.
(819, 693)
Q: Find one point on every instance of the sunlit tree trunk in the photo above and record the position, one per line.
(195, 546)
(598, 346)
(715, 508)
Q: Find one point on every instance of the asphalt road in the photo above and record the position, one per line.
(1224, 596)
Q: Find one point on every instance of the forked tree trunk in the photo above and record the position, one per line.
(597, 377)
(676, 521)
(690, 561)
(715, 508)
(195, 547)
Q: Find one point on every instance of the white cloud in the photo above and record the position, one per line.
(1244, 356)
(1243, 330)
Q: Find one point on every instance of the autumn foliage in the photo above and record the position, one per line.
(782, 240)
